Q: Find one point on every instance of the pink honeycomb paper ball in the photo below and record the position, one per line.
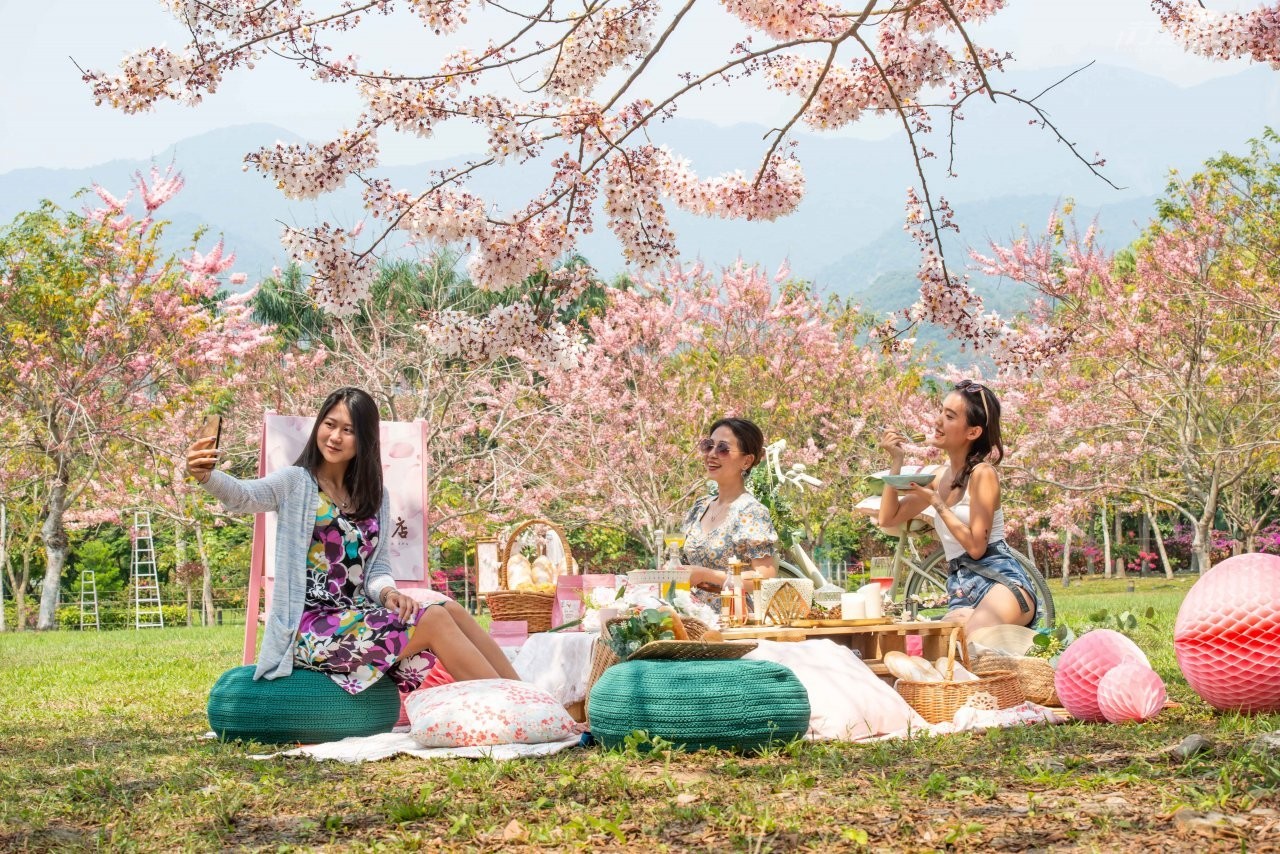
(1084, 664)
(1130, 692)
(1227, 636)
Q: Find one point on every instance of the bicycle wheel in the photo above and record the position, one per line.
(929, 580)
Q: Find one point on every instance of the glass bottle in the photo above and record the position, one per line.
(730, 596)
(751, 578)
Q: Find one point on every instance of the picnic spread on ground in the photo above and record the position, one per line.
(637, 659)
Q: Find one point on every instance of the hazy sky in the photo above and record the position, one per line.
(49, 118)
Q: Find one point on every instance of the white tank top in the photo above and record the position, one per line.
(950, 545)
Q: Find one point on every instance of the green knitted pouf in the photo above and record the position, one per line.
(698, 704)
(306, 707)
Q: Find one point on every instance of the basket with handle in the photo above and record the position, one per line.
(531, 606)
(938, 701)
(603, 657)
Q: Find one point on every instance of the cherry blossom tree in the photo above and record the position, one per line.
(1161, 373)
(670, 356)
(474, 473)
(100, 336)
(578, 91)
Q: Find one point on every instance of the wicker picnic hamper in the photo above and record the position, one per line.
(528, 605)
(1035, 675)
(938, 701)
(603, 657)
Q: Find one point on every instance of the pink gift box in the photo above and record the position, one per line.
(509, 632)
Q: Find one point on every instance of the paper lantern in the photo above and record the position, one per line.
(1130, 692)
(1084, 664)
(1227, 635)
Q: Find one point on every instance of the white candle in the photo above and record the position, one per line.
(874, 602)
(852, 606)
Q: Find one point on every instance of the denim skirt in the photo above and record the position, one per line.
(969, 580)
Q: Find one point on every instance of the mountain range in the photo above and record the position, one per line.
(847, 234)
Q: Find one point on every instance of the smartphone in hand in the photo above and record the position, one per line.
(211, 429)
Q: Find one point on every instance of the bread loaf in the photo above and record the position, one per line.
(928, 673)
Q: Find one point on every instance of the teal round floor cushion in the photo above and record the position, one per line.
(698, 704)
(305, 706)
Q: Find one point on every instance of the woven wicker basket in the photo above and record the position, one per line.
(1035, 675)
(603, 657)
(938, 701)
(534, 608)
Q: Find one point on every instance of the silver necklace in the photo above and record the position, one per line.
(333, 495)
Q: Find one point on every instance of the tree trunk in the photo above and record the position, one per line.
(180, 560)
(54, 534)
(1106, 542)
(4, 560)
(1164, 555)
(1066, 558)
(206, 592)
(1201, 545)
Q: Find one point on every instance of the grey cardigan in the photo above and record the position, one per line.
(291, 493)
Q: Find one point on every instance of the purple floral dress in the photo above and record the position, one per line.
(342, 633)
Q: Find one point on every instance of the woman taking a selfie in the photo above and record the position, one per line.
(335, 607)
(986, 585)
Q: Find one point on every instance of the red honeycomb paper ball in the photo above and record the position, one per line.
(1084, 663)
(1227, 635)
(1130, 692)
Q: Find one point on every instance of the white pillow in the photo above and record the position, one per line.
(847, 701)
(486, 712)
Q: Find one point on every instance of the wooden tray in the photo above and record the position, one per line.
(674, 650)
(831, 624)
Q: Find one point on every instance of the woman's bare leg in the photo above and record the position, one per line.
(438, 632)
(480, 639)
(999, 608)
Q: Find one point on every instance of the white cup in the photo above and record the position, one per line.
(873, 600)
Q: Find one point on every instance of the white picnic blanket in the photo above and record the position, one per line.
(374, 747)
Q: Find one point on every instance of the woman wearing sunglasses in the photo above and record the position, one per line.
(986, 585)
(732, 523)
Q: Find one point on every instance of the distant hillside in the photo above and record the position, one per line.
(847, 233)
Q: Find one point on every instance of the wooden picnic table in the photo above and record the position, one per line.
(869, 642)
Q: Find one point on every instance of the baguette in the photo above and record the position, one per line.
(928, 672)
(905, 667)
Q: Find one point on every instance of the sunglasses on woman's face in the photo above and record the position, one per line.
(706, 446)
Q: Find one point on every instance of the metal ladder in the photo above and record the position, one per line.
(88, 599)
(146, 584)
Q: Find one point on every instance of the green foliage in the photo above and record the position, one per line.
(603, 548)
(99, 557)
(1125, 622)
(118, 618)
(628, 635)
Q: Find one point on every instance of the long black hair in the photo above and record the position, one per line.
(750, 438)
(981, 409)
(363, 479)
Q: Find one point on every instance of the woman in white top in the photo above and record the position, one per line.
(986, 586)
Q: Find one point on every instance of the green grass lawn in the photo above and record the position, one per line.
(100, 747)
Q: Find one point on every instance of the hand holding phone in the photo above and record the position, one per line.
(211, 429)
(202, 456)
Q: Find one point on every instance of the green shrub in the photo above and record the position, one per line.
(118, 618)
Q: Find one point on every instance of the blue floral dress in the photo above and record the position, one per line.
(342, 633)
(746, 534)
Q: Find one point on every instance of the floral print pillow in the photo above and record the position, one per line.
(485, 712)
